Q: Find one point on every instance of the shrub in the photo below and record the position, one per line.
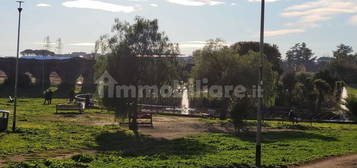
(351, 104)
(239, 112)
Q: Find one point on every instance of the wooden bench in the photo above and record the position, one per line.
(70, 107)
(143, 117)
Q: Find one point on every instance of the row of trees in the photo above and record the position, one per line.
(30, 52)
(309, 91)
(139, 54)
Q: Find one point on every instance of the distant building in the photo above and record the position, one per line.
(325, 60)
(186, 59)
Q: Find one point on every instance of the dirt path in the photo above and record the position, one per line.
(346, 161)
(177, 127)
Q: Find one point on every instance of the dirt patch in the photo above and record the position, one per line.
(2, 163)
(95, 119)
(56, 154)
(346, 161)
(171, 127)
(177, 127)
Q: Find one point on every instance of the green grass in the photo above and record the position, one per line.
(41, 132)
(352, 90)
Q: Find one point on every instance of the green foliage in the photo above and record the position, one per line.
(100, 66)
(352, 90)
(351, 104)
(343, 53)
(270, 51)
(345, 65)
(138, 55)
(299, 55)
(281, 149)
(240, 112)
(222, 66)
(308, 91)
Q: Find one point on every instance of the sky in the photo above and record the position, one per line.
(322, 24)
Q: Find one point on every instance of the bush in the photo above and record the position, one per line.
(239, 112)
(351, 104)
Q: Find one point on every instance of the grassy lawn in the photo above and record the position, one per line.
(352, 90)
(42, 134)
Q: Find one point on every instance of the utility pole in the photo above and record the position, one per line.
(258, 152)
(17, 65)
(59, 46)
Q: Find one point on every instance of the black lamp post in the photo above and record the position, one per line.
(260, 86)
(17, 65)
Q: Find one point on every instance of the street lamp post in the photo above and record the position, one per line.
(17, 65)
(260, 86)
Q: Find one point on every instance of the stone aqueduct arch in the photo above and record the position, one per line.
(69, 70)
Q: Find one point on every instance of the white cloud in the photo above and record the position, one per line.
(353, 20)
(98, 5)
(196, 2)
(233, 4)
(195, 44)
(82, 44)
(154, 5)
(43, 5)
(280, 32)
(311, 14)
(192, 44)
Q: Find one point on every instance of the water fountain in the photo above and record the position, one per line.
(185, 103)
(343, 108)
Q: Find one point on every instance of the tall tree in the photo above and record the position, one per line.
(271, 52)
(344, 54)
(223, 66)
(139, 55)
(323, 90)
(300, 55)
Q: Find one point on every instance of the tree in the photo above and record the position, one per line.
(138, 55)
(219, 65)
(345, 65)
(323, 89)
(343, 52)
(240, 111)
(300, 55)
(30, 52)
(222, 66)
(270, 51)
(288, 82)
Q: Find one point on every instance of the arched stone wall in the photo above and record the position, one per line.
(69, 70)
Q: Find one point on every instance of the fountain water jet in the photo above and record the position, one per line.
(185, 103)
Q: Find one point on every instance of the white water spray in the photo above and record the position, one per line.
(185, 103)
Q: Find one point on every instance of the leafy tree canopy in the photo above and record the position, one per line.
(300, 54)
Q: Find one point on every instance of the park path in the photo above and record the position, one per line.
(346, 161)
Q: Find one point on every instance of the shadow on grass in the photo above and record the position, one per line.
(132, 146)
(276, 136)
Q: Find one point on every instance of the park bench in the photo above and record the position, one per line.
(70, 107)
(145, 116)
(142, 119)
